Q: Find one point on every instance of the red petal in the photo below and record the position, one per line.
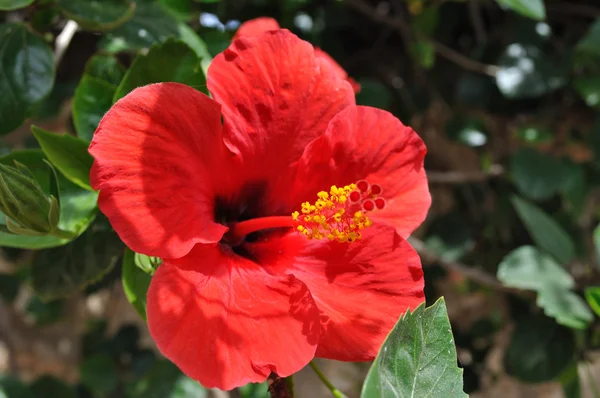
(277, 96)
(363, 143)
(360, 288)
(338, 68)
(158, 155)
(257, 26)
(226, 322)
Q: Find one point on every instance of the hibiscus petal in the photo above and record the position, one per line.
(364, 143)
(256, 26)
(158, 157)
(277, 96)
(226, 322)
(360, 288)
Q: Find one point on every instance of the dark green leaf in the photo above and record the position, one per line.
(544, 230)
(135, 283)
(13, 388)
(150, 24)
(105, 67)
(51, 387)
(65, 270)
(172, 61)
(569, 379)
(526, 72)
(418, 358)
(534, 9)
(164, 380)
(69, 154)
(44, 312)
(97, 14)
(77, 205)
(26, 74)
(537, 175)
(534, 135)
(529, 268)
(99, 374)
(565, 306)
(6, 5)
(590, 43)
(93, 98)
(589, 89)
(592, 295)
(539, 350)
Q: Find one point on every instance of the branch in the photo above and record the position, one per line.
(474, 274)
(441, 49)
(63, 40)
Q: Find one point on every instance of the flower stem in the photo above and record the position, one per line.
(336, 393)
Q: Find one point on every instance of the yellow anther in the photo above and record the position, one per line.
(295, 216)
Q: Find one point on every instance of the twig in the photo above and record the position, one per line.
(279, 387)
(63, 40)
(477, 21)
(474, 274)
(461, 177)
(334, 391)
(444, 51)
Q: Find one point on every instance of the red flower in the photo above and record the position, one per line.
(240, 294)
(257, 26)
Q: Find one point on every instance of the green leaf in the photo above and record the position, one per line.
(97, 14)
(417, 359)
(592, 295)
(526, 72)
(13, 388)
(533, 9)
(26, 74)
(589, 89)
(597, 240)
(530, 268)
(539, 350)
(51, 387)
(537, 175)
(569, 379)
(423, 52)
(150, 24)
(99, 374)
(172, 61)
(565, 306)
(146, 263)
(534, 135)
(7, 5)
(94, 93)
(254, 390)
(69, 154)
(77, 205)
(590, 43)
(135, 283)
(62, 271)
(164, 380)
(544, 230)
(44, 312)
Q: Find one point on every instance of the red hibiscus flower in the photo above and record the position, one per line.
(257, 26)
(242, 292)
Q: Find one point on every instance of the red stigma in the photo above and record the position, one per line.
(376, 189)
(368, 205)
(354, 196)
(363, 185)
(380, 203)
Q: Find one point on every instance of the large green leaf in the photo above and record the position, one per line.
(65, 270)
(51, 387)
(6, 5)
(592, 295)
(418, 358)
(526, 72)
(150, 24)
(135, 283)
(99, 374)
(539, 350)
(26, 74)
(534, 9)
(590, 43)
(69, 154)
(95, 92)
(172, 61)
(530, 268)
(164, 380)
(537, 175)
(77, 205)
(97, 14)
(13, 388)
(544, 230)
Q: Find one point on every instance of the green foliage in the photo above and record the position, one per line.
(172, 61)
(534, 9)
(26, 74)
(13, 388)
(135, 282)
(544, 230)
(6, 5)
(539, 350)
(98, 14)
(51, 387)
(418, 358)
(99, 374)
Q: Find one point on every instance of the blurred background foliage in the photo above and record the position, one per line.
(505, 93)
